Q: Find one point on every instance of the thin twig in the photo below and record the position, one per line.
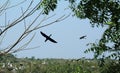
(24, 19)
(25, 45)
(15, 22)
(4, 6)
(13, 5)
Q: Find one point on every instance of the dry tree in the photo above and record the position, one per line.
(29, 27)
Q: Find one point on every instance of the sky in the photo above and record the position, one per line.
(66, 33)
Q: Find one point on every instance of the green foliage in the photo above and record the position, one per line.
(48, 5)
(72, 1)
(102, 12)
(8, 57)
(110, 66)
(108, 43)
(30, 65)
(110, 23)
(98, 11)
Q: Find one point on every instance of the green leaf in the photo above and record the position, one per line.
(110, 23)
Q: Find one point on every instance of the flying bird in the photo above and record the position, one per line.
(47, 37)
(83, 37)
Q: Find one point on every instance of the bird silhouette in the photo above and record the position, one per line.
(48, 37)
(83, 37)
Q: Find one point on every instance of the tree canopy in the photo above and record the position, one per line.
(102, 12)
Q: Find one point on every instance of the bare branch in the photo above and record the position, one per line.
(57, 20)
(19, 19)
(25, 49)
(24, 19)
(24, 45)
(4, 7)
(2, 37)
(29, 28)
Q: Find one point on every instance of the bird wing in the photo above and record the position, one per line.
(48, 38)
(52, 40)
(43, 34)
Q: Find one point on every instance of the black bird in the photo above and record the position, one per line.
(83, 37)
(47, 37)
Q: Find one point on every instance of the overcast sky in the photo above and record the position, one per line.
(66, 33)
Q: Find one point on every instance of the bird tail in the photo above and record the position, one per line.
(46, 40)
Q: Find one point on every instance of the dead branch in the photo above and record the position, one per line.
(5, 6)
(28, 28)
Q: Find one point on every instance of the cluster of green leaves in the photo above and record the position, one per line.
(48, 5)
(97, 11)
(51, 5)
